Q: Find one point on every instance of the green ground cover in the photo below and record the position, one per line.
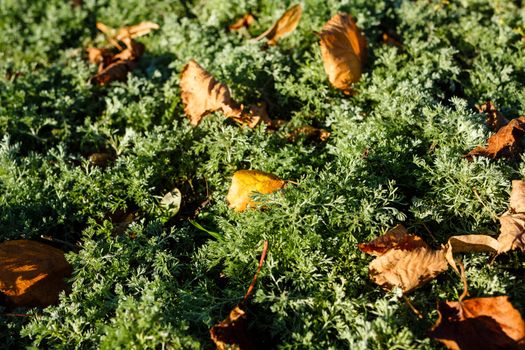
(395, 155)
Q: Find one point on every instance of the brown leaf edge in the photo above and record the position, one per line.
(285, 25)
(232, 332)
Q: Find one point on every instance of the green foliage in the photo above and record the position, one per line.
(395, 155)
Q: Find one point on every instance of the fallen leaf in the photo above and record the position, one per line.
(115, 71)
(283, 26)
(469, 244)
(132, 52)
(136, 30)
(202, 94)
(403, 260)
(343, 49)
(247, 182)
(506, 143)
(495, 119)
(32, 273)
(232, 333)
(99, 55)
(395, 238)
(309, 133)
(243, 22)
(512, 234)
(479, 323)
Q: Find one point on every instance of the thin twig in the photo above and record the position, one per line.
(494, 215)
(429, 232)
(412, 307)
(261, 262)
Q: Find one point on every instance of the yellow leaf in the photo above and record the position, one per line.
(343, 48)
(247, 182)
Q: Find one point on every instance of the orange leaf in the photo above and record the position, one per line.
(343, 48)
(202, 94)
(395, 238)
(136, 30)
(283, 26)
(231, 333)
(32, 273)
(132, 52)
(247, 182)
(468, 244)
(479, 323)
(99, 55)
(243, 22)
(506, 143)
(403, 260)
(512, 234)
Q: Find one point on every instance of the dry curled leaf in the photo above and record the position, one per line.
(469, 244)
(403, 260)
(99, 55)
(285, 25)
(512, 234)
(243, 22)
(343, 49)
(232, 332)
(32, 273)
(136, 30)
(506, 143)
(479, 323)
(132, 52)
(202, 94)
(495, 119)
(309, 133)
(117, 71)
(245, 183)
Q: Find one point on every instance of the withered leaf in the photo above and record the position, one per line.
(99, 55)
(397, 237)
(243, 22)
(202, 94)
(403, 260)
(285, 25)
(132, 52)
(495, 119)
(136, 30)
(391, 40)
(309, 133)
(231, 332)
(506, 143)
(512, 234)
(32, 273)
(343, 49)
(247, 182)
(115, 71)
(479, 323)
(469, 244)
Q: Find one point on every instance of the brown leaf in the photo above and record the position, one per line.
(231, 333)
(132, 52)
(115, 71)
(395, 238)
(136, 30)
(202, 94)
(469, 244)
(343, 48)
(243, 22)
(247, 182)
(99, 55)
(283, 26)
(403, 260)
(309, 133)
(506, 143)
(495, 119)
(479, 323)
(512, 234)
(32, 273)
(391, 40)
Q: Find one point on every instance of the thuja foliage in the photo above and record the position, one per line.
(395, 155)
